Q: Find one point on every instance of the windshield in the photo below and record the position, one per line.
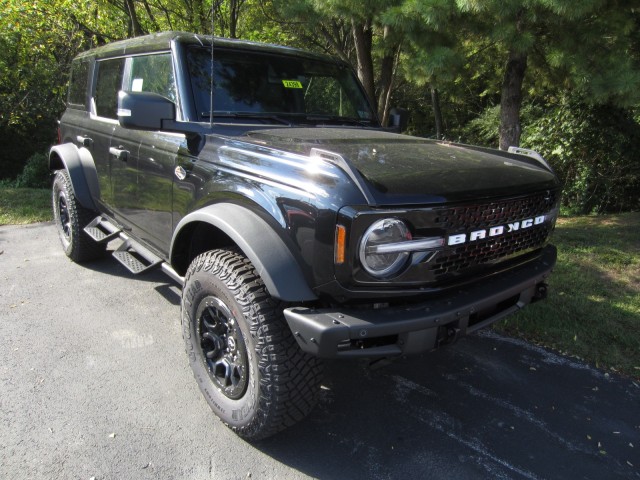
(275, 88)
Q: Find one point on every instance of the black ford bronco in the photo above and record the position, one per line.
(259, 178)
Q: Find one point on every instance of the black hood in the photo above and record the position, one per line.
(400, 169)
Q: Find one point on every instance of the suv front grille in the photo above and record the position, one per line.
(486, 215)
(457, 259)
(490, 250)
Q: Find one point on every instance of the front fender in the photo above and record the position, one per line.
(82, 171)
(257, 239)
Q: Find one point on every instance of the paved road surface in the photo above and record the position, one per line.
(94, 383)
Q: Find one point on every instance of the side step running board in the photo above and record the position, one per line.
(135, 258)
(101, 230)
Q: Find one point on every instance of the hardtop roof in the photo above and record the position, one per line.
(162, 42)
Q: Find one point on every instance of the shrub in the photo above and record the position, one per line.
(35, 173)
(482, 130)
(594, 150)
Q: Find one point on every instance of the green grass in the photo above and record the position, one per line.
(593, 308)
(19, 206)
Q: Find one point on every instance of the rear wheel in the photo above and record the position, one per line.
(70, 218)
(242, 353)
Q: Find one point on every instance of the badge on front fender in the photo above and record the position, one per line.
(180, 172)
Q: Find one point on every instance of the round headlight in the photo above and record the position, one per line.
(382, 232)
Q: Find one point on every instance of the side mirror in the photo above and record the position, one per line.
(145, 111)
(398, 119)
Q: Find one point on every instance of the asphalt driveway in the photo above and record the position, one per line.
(94, 383)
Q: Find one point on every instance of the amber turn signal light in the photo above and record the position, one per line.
(340, 247)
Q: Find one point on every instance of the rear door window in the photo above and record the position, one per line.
(108, 84)
(78, 84)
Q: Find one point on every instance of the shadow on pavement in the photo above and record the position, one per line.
(488, 407)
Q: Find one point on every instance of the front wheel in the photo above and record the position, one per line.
(242, 353)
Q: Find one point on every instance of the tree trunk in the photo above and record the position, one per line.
(437, 112)
(235, 6)
(339, 35)
(203, 17)
(234, 11)
(363, 40)
(511, 100)
(384, 85)
(385, 80)
(151, 16)
(135, 29)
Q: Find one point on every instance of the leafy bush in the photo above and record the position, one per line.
(594, 150)
(35, 173)
(482, 130)
(17, 147)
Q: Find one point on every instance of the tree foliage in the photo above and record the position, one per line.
(36, 48)
(488, 71)
(358, 32)
(586, 44)
(594, 150)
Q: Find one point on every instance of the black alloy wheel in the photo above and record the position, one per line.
(63, 212)
(223, 347)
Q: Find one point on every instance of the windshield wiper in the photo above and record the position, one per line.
(294, 118)
(247, 115)
(335, 118)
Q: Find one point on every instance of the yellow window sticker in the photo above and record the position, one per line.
(291, 84)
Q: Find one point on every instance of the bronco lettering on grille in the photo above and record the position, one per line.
(461, 238)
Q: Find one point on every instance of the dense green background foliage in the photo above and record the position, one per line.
(559, 76)
(594, 149)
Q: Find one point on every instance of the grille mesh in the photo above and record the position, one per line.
(474, 217)
(464, 219)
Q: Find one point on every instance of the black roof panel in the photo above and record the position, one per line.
(162, 42)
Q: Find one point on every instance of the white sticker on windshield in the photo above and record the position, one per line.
(136, 84)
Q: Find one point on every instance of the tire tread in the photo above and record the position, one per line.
(289, 378)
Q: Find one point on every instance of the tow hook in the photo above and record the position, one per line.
(448, 336)
(541, 292)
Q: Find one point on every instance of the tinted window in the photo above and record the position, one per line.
(107, 87)
(259, 83)
(78, 83)
(152, 73)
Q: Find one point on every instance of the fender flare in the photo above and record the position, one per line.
(82, 171)
(270, 256)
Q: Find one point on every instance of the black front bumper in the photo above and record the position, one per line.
(419, 327)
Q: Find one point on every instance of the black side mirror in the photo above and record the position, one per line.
(145, 111)
(398, 119)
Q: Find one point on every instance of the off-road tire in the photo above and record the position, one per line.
(70, 218)
(275, 383)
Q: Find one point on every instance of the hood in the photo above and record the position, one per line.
(400, 169)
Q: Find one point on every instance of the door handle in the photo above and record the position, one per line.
(84, 141)
(120, 153)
